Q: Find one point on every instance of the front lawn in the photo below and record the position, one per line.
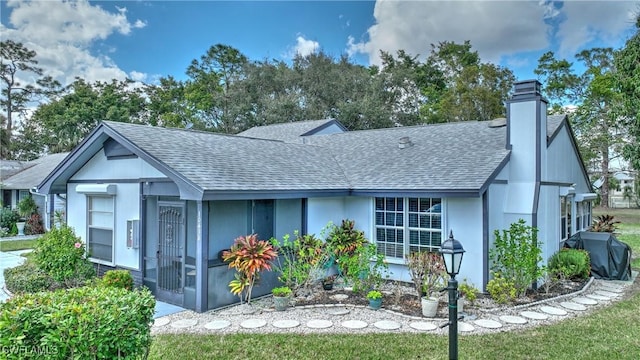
(12, 245)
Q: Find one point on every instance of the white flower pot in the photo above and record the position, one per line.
(429, 306)
(20, 226)
(460, 305)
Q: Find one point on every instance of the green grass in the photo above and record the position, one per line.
(17, 244)
(609, 333)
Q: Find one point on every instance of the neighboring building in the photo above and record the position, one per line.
(24, 178)
(624, 196)
(164, 203)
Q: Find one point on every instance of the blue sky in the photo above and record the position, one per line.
(143, 40)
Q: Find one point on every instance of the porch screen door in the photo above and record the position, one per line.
(171, 252)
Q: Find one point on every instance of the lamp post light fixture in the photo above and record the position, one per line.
(452, 252)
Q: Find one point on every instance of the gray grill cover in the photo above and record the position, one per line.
(610, 257)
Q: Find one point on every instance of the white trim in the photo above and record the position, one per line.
(585, 197)
(566, 190)
(96, 189)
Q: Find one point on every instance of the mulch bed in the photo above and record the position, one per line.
(402, 298)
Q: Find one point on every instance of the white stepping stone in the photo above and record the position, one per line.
(319, 324)
(606, 293)
(509, 319)
(534, 315)
(465, 327)
(573, 306)
(339, 297)
(217, 324)
(598, 297)
(553, 310)
(423, 325)
(584, 301)
(355, 324)
(489, 324)
(161, 322)
(285, 324)
(612, 287)
(253, 323)
(339, 312)
(387, 325)
(184, 323)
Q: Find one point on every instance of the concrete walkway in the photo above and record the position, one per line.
(8, 260)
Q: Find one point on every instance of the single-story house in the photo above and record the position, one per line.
(24, 177)
(164, 202)
(624, 195)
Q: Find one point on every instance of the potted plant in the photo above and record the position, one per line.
(26, 207)
(281, 297)
(327, 282)
(427, 272)
(375, 299)
(467, 292)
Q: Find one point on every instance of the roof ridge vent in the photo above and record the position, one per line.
(404, 142)
(498, 122)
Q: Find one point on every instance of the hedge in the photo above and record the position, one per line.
(27, 278)
(90, 322)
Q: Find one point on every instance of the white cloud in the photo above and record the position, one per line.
(303, 47)
(62, 32)
(496, 29)
(597, 21)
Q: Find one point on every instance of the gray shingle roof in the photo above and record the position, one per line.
(227, 163)
(445, 157)
(35, 171)
(553, 123)
(285, 131)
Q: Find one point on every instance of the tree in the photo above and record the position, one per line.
(16, 60)
(597, 118)
(210, 89)
(61, 124)
(627, 62)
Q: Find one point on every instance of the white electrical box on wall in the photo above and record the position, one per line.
(133, 234)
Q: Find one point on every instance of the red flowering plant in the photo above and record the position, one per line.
(249, 256)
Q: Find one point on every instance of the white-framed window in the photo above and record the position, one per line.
(406, 225)
(586, 215)
(579, 212)
(22, 194)
(100, 223)
(565, 218)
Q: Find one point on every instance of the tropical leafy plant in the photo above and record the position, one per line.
(249, 256)
(345, 239)
(26, 207)
(604, 223)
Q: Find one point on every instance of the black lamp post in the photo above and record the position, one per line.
(452, 252)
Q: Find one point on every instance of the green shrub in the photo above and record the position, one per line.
(570, 264)
(281, 291)
(345, 239)
(299, 260)
(501, 289)
(118, 278)
(61, 254)
(516, 255)
(26, 207)
(8, 218)
(27, 278)
(80, 323)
